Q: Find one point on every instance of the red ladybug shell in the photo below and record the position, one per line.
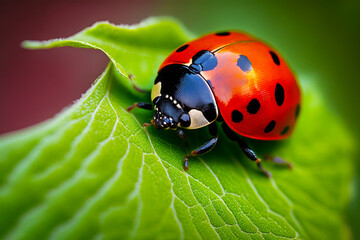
(256, 93)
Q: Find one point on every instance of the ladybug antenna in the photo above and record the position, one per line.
(148, 124)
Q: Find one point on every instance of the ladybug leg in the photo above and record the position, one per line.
(142, 105)
(131, 77)
(182, 135)
(205, 148)
(213, 129)
(249, 153)
(278, 160)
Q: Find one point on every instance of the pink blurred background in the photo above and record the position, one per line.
(35, 85)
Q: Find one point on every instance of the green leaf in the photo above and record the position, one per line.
(94, 172)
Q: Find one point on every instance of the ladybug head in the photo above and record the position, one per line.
(168, 115)
(162, 121)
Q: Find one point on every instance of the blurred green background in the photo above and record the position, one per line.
(319, 39)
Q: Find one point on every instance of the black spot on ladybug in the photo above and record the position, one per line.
(297, 111)
(275, 58)
(203, 60)
(182, 48)
(285, 130)
(244, 63)
(222, 34)
(253, 106)
(270, 126)
(279, 94)
(236, 116)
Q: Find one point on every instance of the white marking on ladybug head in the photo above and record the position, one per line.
(178, 106)
(197, 119)
(155, 91)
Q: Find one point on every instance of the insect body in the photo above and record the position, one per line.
(230, 77)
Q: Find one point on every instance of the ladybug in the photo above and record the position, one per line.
(230, 77)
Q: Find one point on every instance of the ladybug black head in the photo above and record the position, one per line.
(167, 114)
(162, 121)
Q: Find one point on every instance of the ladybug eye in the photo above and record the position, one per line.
(185, 120)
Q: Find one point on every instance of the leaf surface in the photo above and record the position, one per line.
(94, 172)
